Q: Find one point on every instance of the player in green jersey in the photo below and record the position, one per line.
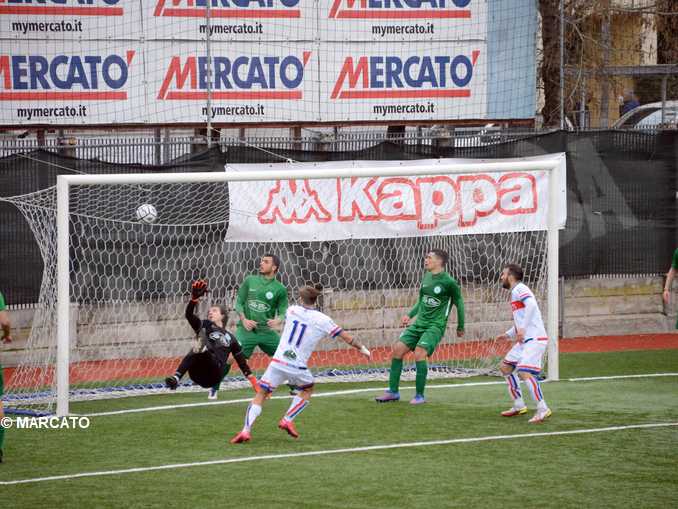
(6, 338)
(669, 279)
(261, 305)
(439, 292)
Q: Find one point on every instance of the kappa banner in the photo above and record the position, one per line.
(386, 207)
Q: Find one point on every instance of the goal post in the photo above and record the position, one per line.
(99, 197)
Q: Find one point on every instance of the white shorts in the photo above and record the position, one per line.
(278, 373)
(527, 356)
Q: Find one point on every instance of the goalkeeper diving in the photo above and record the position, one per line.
(205, 362)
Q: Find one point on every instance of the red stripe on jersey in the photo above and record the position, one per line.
(517, 304)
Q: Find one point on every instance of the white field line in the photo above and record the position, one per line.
(352, 391)
(174, 466)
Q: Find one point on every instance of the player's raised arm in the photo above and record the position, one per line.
(198, 289)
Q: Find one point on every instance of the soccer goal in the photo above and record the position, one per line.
(120, 252)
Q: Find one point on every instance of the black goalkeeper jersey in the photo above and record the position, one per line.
(218, 340)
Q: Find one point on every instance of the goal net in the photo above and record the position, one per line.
(363, 238)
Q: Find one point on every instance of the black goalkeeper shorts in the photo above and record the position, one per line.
(205, 370)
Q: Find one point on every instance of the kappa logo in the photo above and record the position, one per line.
(400, 9)
(273, 9)
(243, 77)
(414, 77)
(61, 7)
(93, 77)
(464, 200)
(269, 295)
(437, 290)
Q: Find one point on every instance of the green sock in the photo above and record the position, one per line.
(218, 384)
(422, 371)
(394, 375)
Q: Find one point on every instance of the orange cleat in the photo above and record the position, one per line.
(242, 437)
(289, 427)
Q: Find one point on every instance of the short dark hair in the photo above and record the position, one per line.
(515, 270)
(309, 294)
(276, 260)
(441, 254)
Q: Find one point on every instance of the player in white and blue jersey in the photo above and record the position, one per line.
(526, 355)
(304, 327)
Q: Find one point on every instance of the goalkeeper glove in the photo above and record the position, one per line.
(198, 289)
(253, 382)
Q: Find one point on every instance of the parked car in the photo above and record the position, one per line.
(647, 116)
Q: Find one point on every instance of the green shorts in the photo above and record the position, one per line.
(426, 337)
(266, 339)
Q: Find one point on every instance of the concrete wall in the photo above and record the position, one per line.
(591, 307)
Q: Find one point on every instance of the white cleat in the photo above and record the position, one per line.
(540, 417)
(212, 394)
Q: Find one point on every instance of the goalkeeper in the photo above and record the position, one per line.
(206, 361)
(261, 304)
(439, 292)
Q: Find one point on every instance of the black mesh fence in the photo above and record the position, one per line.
(621, 194)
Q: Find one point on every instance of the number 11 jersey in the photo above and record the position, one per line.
(304, 327)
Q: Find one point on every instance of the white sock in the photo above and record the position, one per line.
(297, 406)
(535, 391)
(514, 391)
(542, 406)
(253, 411)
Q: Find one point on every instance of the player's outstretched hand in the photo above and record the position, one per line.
(405, 321)
(7, 339)
(198, 289)
(460, 333)
(253, 382)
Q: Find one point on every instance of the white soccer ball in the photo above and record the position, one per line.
(147, 213)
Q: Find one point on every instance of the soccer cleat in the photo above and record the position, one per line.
(418, 399)
(242, 437)
(512, 412)
(387, 396)
(294, 390)
(539, 417)
(171, 383)
(212, 394)
(289, 427)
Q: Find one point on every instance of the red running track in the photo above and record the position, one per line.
(125, 369)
